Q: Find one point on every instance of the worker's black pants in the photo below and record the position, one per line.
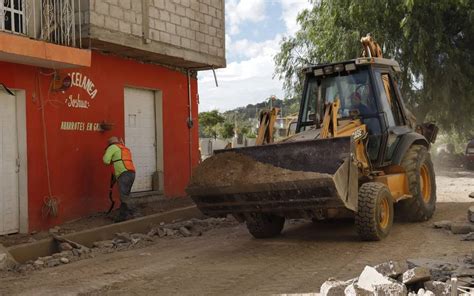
(125, 183)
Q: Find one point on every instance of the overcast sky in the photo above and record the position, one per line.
(254, 29)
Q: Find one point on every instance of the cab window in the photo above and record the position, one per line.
(389, 102)
(354, 92)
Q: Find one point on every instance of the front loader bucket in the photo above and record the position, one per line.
(279, 178)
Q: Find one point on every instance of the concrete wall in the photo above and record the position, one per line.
(182, 33)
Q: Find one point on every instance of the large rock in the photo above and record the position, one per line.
(370, 278)
(333, 287)
(416, 275)
(438, 288)
(470, 214)
(6, 259)
(392, 269)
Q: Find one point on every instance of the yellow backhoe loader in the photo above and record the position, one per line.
(355, 152)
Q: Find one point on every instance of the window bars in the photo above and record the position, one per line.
(55, 21)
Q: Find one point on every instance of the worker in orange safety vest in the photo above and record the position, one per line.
(124, 173)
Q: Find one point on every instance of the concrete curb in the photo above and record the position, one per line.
(47, 246)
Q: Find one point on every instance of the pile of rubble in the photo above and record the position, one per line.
(414, 277)
(70, 251)
(465, 228)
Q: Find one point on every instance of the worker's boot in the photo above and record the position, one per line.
(125, 213)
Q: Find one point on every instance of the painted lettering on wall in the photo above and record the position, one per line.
(84, 82)
(81, 81)
(72, 102)
(80, 126)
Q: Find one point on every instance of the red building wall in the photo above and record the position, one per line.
(78, 178)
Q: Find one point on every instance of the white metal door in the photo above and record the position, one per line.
(140, 135)
(9, 170)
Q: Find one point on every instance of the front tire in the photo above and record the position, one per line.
(421, 184)
(264, 225)
(374, 217)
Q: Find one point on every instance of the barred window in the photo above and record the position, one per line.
(12, 16)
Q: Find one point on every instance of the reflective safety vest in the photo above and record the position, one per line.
(126, 158)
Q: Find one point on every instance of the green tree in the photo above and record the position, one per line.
(226, 130)
(208, 123)
(431, 39)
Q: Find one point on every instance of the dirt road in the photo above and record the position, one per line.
(228, 261)
(454, 186)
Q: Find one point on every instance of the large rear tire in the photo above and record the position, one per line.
(264, 225)
(374, 217)
(421, 184)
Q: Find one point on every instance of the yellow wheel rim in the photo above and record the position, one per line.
(384, 215)
(425, 183)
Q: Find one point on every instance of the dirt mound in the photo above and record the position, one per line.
(226, 169)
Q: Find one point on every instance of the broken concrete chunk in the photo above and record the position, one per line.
(38, 263)
(141, 236)
(355, 290)
(468, 237)
(333, 287)
(461, 228)
(471, 195)
(161, 232)
(53, 262)
(444, 224)
(392, 268)
(57, 255)
(438, 288)
(184, 231)
(123, 237)
(370, 277)
(169, 232)
(392, 289)
(152, 232)
(470, 214)
(103, 244)
(65, 247)
(416, 275)
(64, 260)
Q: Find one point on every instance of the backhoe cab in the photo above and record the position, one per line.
(356, 152)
